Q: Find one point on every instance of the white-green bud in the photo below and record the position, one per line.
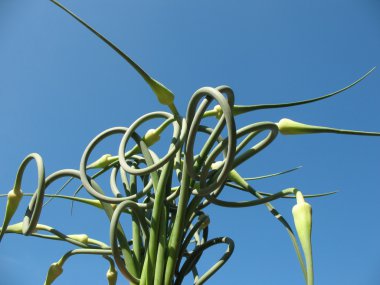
(164, 95)
(151, 137)
(290, 127)
(112, 276)
(218, 110)
(54, 271)
(83, 238)
(102, 162)
(302, 214)
(14, 198)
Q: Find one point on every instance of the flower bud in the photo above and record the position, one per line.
(302, 214)
(14, 198)
(111, 276)
(164, 95)
(290, 127)
(54, 271)
(15, 228)
(102, 162)
(83, 238)
(151, 137)
(216, 165)
(218, 110)
(206, 222)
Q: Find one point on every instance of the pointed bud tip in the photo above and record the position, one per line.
(83, 238)
(55, 270)
(290, 127)
(151, 137)
(164, 95)
(111, 276)
(102, 162)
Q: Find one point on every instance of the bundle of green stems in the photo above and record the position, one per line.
(166, 197)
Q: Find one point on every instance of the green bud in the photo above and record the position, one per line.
(151, 137)
(102, 162)
(206, 222)
(111, 276)
(218, 110)
(290, 127)
(54, 271)
(14, 198)
(302, 214)
(216, 165)
(164, 95)
(15, 228)
(83, 238)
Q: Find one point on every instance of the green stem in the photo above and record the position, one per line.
(161, 252)
(177, 232)
(136, 237)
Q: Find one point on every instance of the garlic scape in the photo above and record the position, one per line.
(302, 214)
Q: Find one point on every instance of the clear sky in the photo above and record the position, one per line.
(60, 86)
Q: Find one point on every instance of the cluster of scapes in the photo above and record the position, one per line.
(166, 197)
(169, 225)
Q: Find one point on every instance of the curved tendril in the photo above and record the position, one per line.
(202, 224)
(34, 209)
(56, 268)
(162, 225)
(179, 132)
(114, 225)
(190, 262)
(83, 175)
(15, 195)
(83, 163)
(195, 117)
(58, 192)
(254, 129)
(116, 191)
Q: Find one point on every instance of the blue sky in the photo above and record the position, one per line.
(60, 86)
